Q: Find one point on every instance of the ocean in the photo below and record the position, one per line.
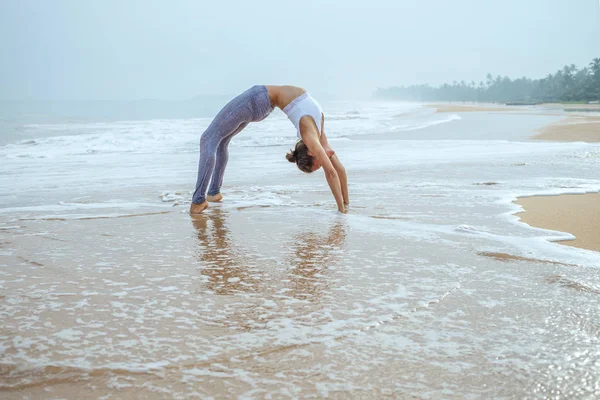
(429, 287)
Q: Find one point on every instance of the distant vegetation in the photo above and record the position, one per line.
(568, 84)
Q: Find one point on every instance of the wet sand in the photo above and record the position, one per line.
(538, 109)
(426, 289)
(576, 128)
(161, 305)
(570, 107)
(577, 214)
(476, 107)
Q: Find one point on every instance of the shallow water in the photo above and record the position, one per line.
(429, 287)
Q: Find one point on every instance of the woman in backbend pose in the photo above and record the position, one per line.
(311, 152)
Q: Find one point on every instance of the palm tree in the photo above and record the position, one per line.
(568, 83)
(595, 68)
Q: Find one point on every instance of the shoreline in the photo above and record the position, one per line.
(472, 107)
(248, 297)
(577, 214)
(574, 128)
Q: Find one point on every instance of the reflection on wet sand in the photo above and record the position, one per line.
(313, 255)
(228, 270)
(255, 298)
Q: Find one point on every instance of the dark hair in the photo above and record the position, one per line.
(300, 156)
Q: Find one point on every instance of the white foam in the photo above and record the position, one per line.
(69, 334)
(142, 161)
(66, 206)
(417, 125)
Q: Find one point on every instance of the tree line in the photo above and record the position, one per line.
(568, 84)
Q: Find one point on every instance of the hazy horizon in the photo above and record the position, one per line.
(136, 50)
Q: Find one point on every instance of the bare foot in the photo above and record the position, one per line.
(198, 208)
(215, 198)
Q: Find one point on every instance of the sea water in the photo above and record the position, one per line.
(429, 286)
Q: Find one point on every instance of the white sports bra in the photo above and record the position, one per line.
(301, 106)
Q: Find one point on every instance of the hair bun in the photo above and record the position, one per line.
(291, 156)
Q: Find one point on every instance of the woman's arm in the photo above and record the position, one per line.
(323, 137)
(337, 164)
(311, 139)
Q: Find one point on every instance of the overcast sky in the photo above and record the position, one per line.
(126, 49)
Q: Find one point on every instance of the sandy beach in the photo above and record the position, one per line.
(578, 214)
(571, 107)
(465, 267)
(493, 107)
(427, 288)
(573, 128)
(476, 107)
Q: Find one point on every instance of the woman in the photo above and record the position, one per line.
(312, 151)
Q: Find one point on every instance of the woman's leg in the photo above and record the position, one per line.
(227, 122)
(252, 105)
(221, 162)
(208, 147)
